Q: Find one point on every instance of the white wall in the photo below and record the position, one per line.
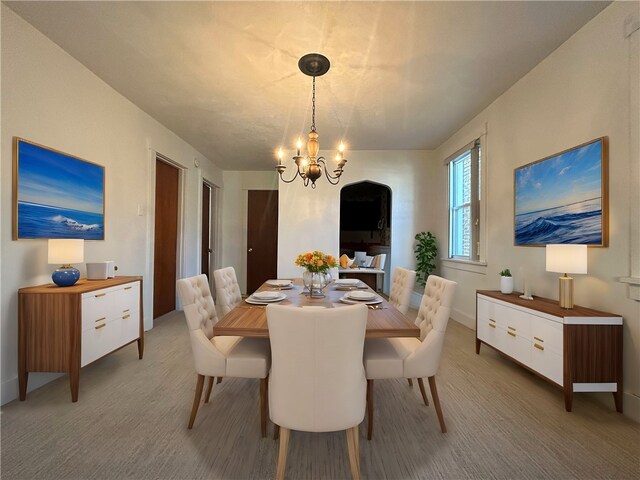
(310, 218)
(50, 98)
(234, 216)
(580, 92)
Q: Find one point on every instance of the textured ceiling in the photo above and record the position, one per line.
(224, 75)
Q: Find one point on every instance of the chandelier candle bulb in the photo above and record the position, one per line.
(299, 146)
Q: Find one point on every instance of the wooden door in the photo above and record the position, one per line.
(166, 239)
(262, 237)
(206, 229)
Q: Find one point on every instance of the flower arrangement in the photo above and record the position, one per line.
(316, 261)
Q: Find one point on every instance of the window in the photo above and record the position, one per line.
(464, 202)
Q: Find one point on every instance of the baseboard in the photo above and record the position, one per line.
(36, 380)
(461, 317)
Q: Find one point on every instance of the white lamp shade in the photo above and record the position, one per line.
(567, 258)
(66, 251)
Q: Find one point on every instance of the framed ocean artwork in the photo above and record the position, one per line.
(564, 198)
(56, 195)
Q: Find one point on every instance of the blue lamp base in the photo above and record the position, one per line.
(65, 276)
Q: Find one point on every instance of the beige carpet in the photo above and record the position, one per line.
(130, 422)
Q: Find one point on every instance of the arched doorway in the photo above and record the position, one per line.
(365, 221)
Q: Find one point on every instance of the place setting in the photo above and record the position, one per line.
(265, 297)
(348, 284)
(370, 299)
(280, 284)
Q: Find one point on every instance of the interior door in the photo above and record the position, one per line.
(165, 239)
(262, 237)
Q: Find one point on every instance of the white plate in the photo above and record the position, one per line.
(278, 283)
(375, 301)
(347, 281)
(266, 295)
(257, 301)
(360, 295)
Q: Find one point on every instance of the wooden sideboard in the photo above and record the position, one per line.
(373, 277)
(578, 349)
(62, 329)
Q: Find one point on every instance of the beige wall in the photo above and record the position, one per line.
(580, 92)
(310, 218)
(234, 216)
(50, 98)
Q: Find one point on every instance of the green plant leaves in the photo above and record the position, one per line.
(426, 251)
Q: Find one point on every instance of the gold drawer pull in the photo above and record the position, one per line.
(127, 288)
(492, 325)
(100, 295)
(538, 339)
(512, 334)
(511, 328)
(125, 317)
(492, 320)
(123, 311)
(539, 347)
(101, 319)
(98, 327)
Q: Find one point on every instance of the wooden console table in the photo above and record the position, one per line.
(578, 349)
(61, 329)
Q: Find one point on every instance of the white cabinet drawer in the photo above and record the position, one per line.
(516, 346)
(513, 320)
(99, 340)
(128, 327)
(97, 306)
(128, 298)
(547, 333)
(488, 332)
(546, 362)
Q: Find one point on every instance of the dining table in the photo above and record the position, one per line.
(250, 320)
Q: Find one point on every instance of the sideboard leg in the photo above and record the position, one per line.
(140, 347)
(568, 397)
(74, 382)
(617, 397)
(23, 377)
(478, 343)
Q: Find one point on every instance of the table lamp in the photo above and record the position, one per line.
(66, 251)
(566, 259)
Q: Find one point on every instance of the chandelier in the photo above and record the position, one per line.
(310, 167)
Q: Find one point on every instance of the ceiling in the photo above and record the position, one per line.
(224, 75)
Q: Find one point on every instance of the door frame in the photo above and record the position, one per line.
(215, 219)
(151, 229)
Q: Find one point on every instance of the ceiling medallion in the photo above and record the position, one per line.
(310, 167)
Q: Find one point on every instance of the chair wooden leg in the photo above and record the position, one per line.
(219, 379)
(354, 452)
(282, 453)
(263, 406)
(410, 382)
(423, 392)
(207, 393)
(196, 400)
(369, 409)
(276, 431)
(436, 403)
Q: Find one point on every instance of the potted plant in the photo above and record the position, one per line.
(426, 251)
(316, 275)
(506, 281)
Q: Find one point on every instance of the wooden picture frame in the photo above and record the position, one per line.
(56, 195)
(564, 198)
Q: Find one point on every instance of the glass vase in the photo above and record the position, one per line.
(315, 282)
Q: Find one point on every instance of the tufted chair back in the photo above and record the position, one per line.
(433, 317)
(317, 381)
(200, 312)
(401, 288)
(227, 289)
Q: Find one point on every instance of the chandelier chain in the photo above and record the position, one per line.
(313, 106)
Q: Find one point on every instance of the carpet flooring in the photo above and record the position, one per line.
(131, 423)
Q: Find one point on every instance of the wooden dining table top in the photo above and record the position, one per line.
(247, 320)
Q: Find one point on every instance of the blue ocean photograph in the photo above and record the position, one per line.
(59, 196)
(560, 199)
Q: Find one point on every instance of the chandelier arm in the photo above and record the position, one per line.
(330, 177)
(292, 178)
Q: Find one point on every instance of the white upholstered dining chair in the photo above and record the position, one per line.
(412, 357)
(220, 356)
(401, 287)
(317, 381)
(228, 293)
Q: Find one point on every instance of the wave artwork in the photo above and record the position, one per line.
(562, 198)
